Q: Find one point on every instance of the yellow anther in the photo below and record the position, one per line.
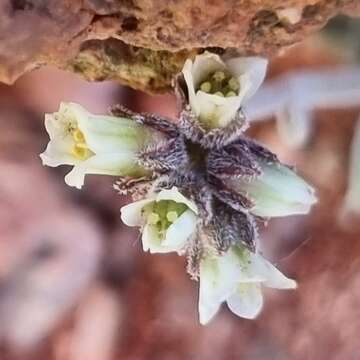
(205, 86)
(82, 145)
(172, 216)
(230, 93)
(78, 136)
(234, 84)
(153, 218)
(81, 153)
(219, 76)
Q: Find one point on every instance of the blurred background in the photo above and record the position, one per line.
(74, 281)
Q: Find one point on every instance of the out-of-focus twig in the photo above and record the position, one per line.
(306, 90)
(352, 197)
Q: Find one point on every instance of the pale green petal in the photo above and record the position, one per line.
(246, 301)
(250, 72)
(175, 195)
(180, 231)
(117, 164)
(132, 215)
(272, 276)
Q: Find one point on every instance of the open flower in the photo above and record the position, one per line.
(93, 144)
(278, 191)
(236, 278)
(217, 88)
(167, 218)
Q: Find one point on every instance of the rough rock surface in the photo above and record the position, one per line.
(144, 42)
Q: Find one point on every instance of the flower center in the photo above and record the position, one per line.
(80, 149)
(220, 83)
(163, 213)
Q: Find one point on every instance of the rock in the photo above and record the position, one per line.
(142, 43)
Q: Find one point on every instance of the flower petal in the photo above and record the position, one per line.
(251, 72)
(151, 240)
(217, 279)
(58, 153)
(272, 276)
(180, 231)
(204, 65)
(195, 72)
(116, 164)
(246, 301)
(213, 289)
(217, 111)
(243, 265)
(55, 126)
(207, 310)
(58, 150)
(131, 214)
(175, 195)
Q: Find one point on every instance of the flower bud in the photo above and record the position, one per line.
(278, 191)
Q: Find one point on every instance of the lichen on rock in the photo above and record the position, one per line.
(137, 67)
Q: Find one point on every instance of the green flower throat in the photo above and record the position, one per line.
(220, 83)
(163, 213)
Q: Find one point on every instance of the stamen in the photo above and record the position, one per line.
(153, 218)
(78, 136)
(234, 84)
(219, 76)
(230, 93)
(172, 216)
(205, 86)
(82, 145)
(80, 152)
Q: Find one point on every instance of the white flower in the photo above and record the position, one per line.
(167, 218)
(93, 144)
(277, 192)
(217, 88)
(236, 278)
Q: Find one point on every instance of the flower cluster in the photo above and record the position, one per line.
(200, 185)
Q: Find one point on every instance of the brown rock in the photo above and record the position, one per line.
(142, 43)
